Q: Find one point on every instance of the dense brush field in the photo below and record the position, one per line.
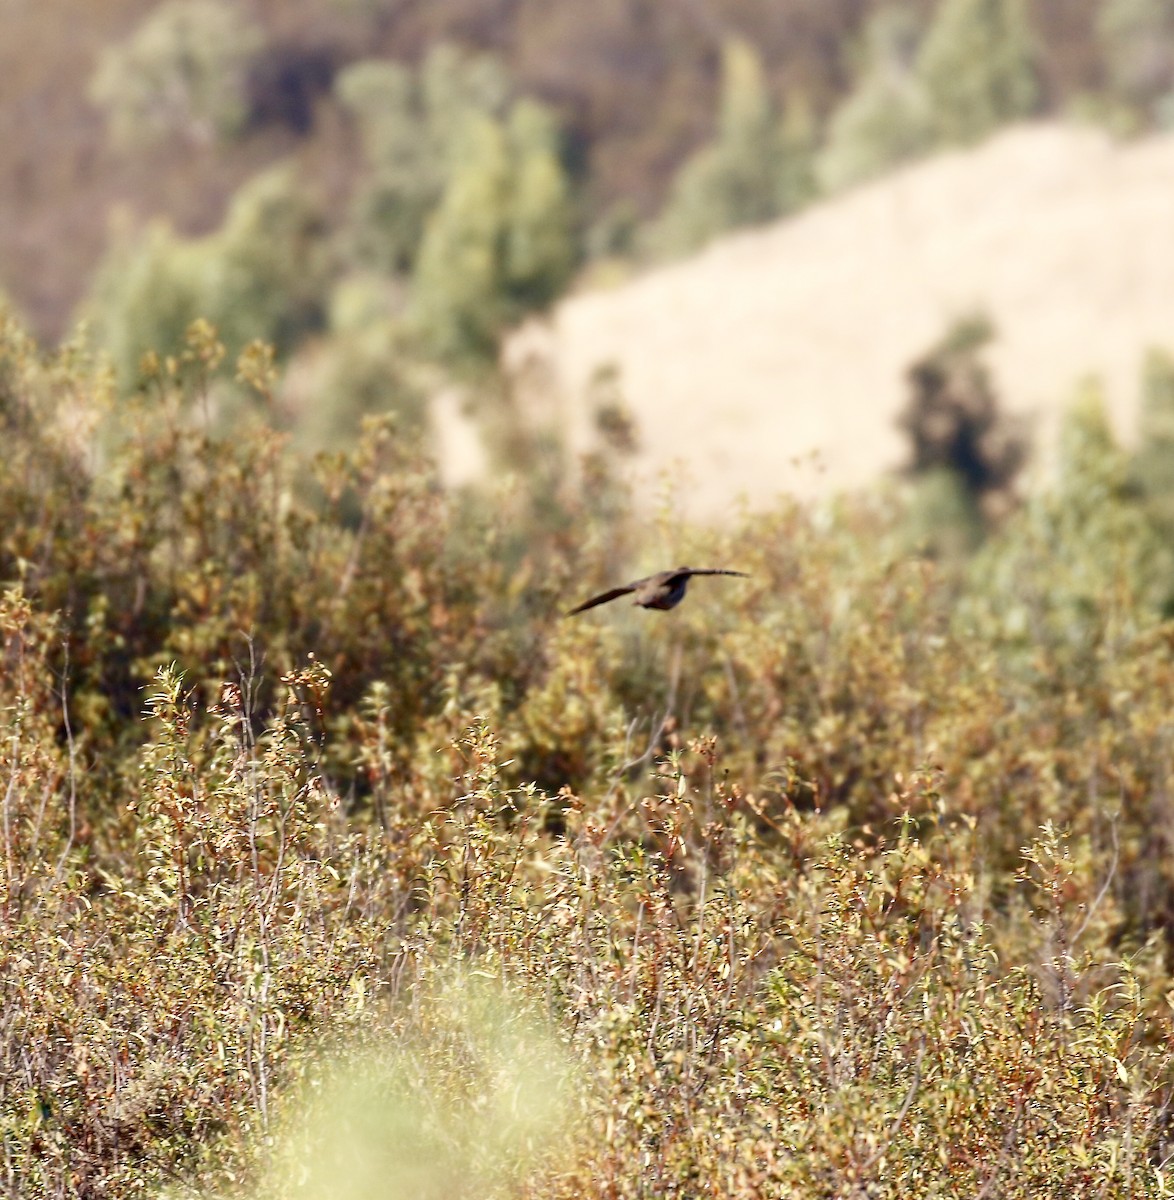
(334, 861)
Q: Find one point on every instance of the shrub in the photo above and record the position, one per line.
(958, 432)
(853, 877)
(262, 276)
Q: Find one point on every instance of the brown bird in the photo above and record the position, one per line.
(665, 589)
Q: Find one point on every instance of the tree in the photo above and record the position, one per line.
(953, 416)
(977, 66)
(144, 294)
(1137, 40)
(887, 118)
(967, 453)
(457, 303)
(181, 73)
(540, 247)
(756, 168)
(1106, 529)
(405, 171)
(410, 125)
(747, 141)
(265, 274)
(1153, 463)
(261, 276)
(501, 241)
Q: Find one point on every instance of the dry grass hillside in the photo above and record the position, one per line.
(774, 361)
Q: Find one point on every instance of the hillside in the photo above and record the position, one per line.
(634, 84)
(774, 361)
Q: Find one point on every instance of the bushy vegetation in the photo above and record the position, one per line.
(978, 68)
(333, 860)
(1138, 37)
(851, 878)
(887, 118)
(463, 210)
(411, 125)
(472, 193)
(967, 453)
(501, 242)
(264, 275)
(181, 74)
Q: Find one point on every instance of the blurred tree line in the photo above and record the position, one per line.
(462, 199)
(436, 191)
(655, 106)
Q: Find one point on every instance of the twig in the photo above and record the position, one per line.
(1092, 908)
(904, 1110)
(670, 704)
(59, 874)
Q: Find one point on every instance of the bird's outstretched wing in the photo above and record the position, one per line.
(712, 571)
(602, 598)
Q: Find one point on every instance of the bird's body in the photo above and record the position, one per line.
(664, 590)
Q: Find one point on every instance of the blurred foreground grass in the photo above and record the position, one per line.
(466, 1098)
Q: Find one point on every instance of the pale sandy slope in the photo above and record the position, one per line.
(792, 340)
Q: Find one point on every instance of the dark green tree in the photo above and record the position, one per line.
(502, 240)
(457, 302)
(144, 294)
(1153, 463)
(266, 273)
(410, 125)
(263, 276)
(539, 253)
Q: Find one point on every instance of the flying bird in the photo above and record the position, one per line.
(665, 589)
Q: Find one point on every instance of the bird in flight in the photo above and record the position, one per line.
(665, 589)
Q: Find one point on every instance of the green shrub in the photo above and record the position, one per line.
(263, 275)
(967, 453)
